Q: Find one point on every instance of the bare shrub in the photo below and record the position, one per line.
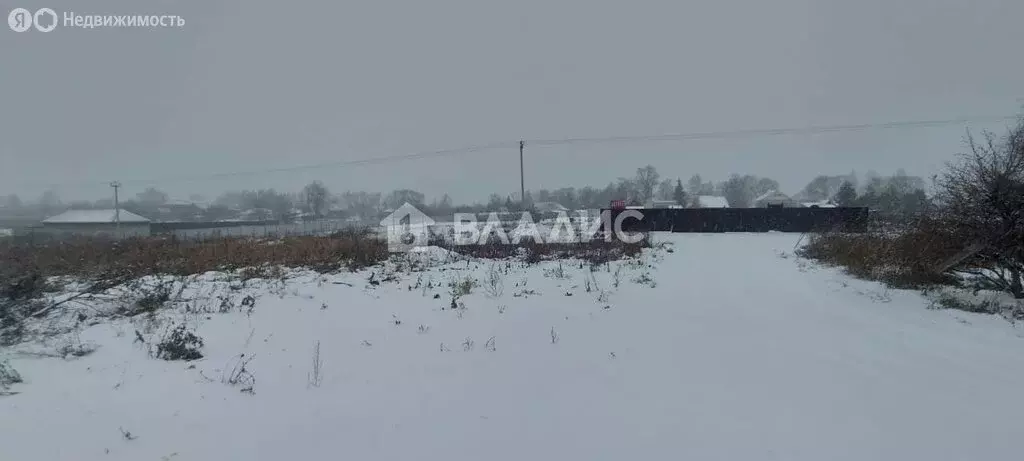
(20, 286)
(494, 285)
(462, 287)
(74, 347)
(982, 205)
(945, 300)
(8, 376)
(557, 272)
(645, 279)
(179, 344)
(151, 300)
(240, 375)
(19, 293)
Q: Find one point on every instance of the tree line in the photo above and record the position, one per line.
(899, 193)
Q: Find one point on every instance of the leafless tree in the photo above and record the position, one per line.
(316, 195)
(646, 181)
(982, 199)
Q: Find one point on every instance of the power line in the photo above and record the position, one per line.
(730, 134)
(771, 132)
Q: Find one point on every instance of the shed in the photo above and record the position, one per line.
(776, 199)
(98, 223)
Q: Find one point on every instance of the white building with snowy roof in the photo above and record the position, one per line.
(711, 201)
(98, 223)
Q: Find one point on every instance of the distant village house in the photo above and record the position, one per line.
(98, 223)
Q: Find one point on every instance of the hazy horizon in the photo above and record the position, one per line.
(253, 86)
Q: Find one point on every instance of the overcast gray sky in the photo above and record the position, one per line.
(255, 84)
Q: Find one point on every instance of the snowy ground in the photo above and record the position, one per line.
(726, 348)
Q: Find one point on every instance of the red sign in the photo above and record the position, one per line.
(618, 204)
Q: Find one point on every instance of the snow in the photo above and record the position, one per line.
(94, 216)
(726, 348)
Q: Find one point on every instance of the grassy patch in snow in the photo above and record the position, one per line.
(595, 251)
(91, 258)
(909, 259)
(899, 259)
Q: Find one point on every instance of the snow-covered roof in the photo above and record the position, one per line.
(549, 206)
(821, 204)
(712, 201)
(185, 203)
(94, 217)
(774, 196)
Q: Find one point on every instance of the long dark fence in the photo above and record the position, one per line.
(840, 219)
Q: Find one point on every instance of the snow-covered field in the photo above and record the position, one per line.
(726, 347)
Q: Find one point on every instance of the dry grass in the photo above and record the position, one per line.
(903, 259)
(95, 258)
(595, 251)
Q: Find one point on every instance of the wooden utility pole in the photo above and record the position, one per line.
(117, 208)
(522, 179)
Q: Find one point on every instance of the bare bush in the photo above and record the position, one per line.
(645, 279)
(462, 287)
(946, 300)
(19, 293)
(179, 344)
(982, 204)
(151, 301)
(20, 286)
(8, 376)
(74, 347)
(494, 285)
(558, 272)
(240, 375)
